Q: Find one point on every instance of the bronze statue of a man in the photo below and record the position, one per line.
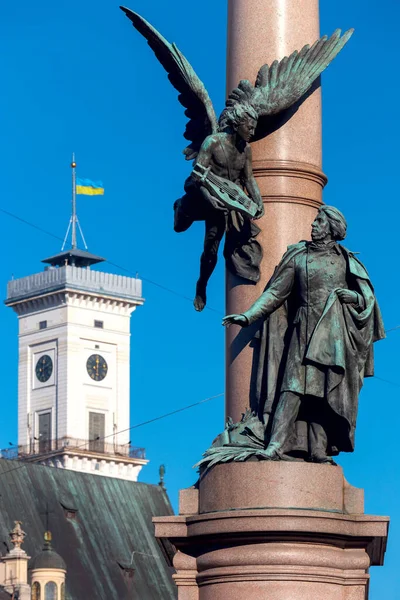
(320, 321)
(227, 155)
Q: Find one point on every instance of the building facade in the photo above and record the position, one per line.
(74, 366)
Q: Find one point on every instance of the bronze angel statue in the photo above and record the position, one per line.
(221, 189)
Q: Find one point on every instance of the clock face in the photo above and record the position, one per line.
(44, 368)
(96, 367)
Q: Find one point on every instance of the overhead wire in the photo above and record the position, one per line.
(386, 380)
(161, 286)
(100, 439)
(169, 290)
(142, 424)
(392, 329)
(10, 214)
(130, 271)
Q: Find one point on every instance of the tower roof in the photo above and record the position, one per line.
(73, 257)
(48, 558)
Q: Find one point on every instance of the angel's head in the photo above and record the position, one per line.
(242, 119)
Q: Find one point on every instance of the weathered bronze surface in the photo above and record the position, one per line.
(318, 321)
(221, 151)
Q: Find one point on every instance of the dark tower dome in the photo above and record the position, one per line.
(48, 558)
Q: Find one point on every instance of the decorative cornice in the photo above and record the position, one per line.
(292, 200)
(290, 168)
(73, 297)
(290, 182)
(85, 281)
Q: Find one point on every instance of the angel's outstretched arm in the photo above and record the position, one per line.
(251, 184)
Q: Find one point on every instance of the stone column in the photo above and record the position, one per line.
(287, 164)
(277, 530)
(185, 576)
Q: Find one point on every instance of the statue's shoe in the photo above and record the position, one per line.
(322, 459)
(272, 453)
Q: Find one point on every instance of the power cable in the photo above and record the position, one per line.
(173, 412)
(162, 287)
(392, 329)
(10, 214)
(150, 281)
(386, 380)
(159, 285)
(167, 289)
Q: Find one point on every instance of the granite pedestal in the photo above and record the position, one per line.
(273, 530)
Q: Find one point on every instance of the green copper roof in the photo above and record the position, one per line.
(101, 527)
(79, 258)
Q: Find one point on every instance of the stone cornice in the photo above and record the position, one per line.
(73, 297)
(290, 168)
(96, 283)
(290, 181)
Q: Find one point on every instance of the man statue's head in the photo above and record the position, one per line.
(242, 119)
(329, 223)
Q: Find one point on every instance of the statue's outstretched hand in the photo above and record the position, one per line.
(235, 320)
(347, 296)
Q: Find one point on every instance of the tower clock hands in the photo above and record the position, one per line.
(96, 367)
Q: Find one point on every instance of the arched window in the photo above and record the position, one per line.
(50, 591)
(36, 591)
(62, 591)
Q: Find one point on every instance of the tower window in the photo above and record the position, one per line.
(36, 591)
(70, 514)
(96, 431)
(99, 324)
(50, 591)
(44, 426)
(42, 324)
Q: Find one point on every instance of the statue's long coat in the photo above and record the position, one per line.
(325, 354)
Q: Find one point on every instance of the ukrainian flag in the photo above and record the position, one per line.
(88, 187)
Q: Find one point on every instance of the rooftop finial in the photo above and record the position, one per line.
(162, 475)
(17, 536)
(47, 539)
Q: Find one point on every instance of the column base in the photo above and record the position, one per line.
(294, 531)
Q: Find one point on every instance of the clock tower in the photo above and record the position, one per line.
(74, 370)
(73, 378)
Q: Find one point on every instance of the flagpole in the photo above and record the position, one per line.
(73, 166)
(74, 224)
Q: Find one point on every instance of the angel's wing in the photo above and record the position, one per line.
(192, 93)
(283, 83)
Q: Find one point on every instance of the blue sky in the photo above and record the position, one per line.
(77, 77)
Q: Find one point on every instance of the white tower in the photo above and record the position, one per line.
(74, 373)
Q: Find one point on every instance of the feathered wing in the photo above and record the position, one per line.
(283, 83)
(192, 93)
